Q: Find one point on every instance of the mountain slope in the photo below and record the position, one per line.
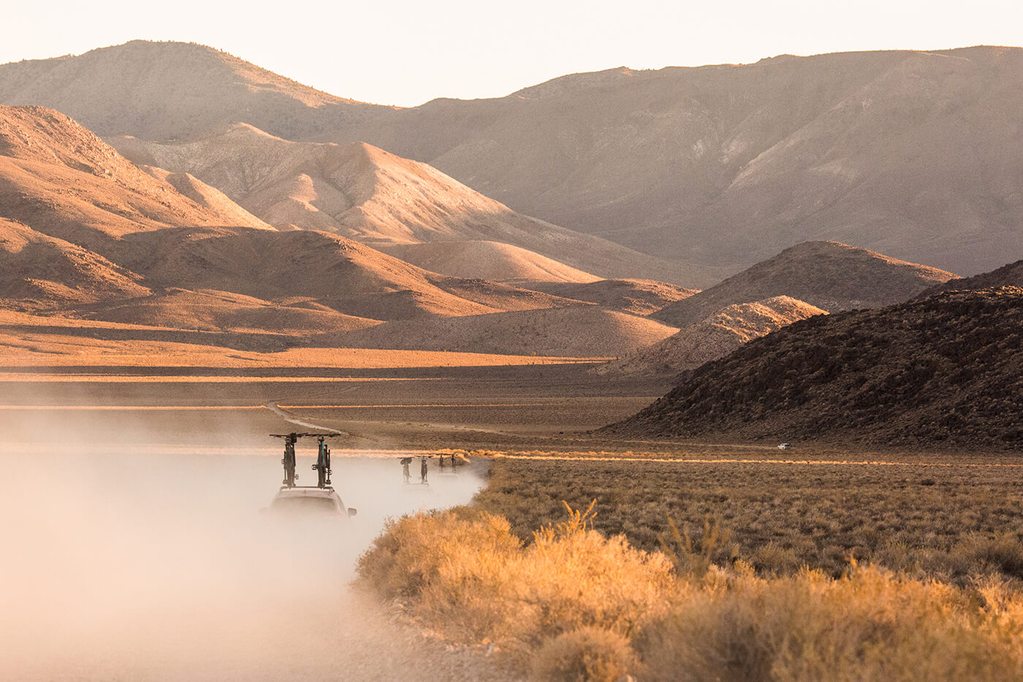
(581, 331)
(1007, 275)
(712, 338)
(916, 154)
(41, 272)
(828, 275)
(84, 231)
(362, 192)
(171, 90)
(943, 371)
(62, 180)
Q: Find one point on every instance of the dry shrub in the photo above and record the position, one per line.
(1000, 554)
(410, 554)
(465, 573)
(694, 556)
(588, 654)
(773, 559)
(869, 625)
(449, 567)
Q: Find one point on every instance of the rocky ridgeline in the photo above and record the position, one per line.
(945, 371)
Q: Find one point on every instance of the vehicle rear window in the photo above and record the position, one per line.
(305, 503)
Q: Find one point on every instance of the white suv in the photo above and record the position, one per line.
(316, 501)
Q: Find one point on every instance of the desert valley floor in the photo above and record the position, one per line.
(383, 408)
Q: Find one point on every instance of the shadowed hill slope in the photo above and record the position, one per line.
(943, 371)
(712, 338)
(38, 272)
(502, 296)
(828, 275)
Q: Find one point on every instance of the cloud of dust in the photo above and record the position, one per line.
(127, 555)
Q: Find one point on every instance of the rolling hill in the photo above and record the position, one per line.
(224, 312)
(491, 260)
(944, 371)
(712, 338)
(580, 331)
(828, 275)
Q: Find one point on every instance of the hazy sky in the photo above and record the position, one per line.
(406, 53)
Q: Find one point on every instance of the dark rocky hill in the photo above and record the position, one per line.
(1010, 275)
(946, 371)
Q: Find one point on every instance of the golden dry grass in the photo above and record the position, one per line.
(574, 604)
(939, 516)
(464, 572)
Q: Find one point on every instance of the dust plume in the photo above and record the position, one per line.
(132, 561)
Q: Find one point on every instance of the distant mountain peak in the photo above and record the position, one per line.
(172, 90)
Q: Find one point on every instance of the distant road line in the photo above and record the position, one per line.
(292, 419)
(127, 408)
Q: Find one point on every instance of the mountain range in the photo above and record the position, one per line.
(914, 154)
